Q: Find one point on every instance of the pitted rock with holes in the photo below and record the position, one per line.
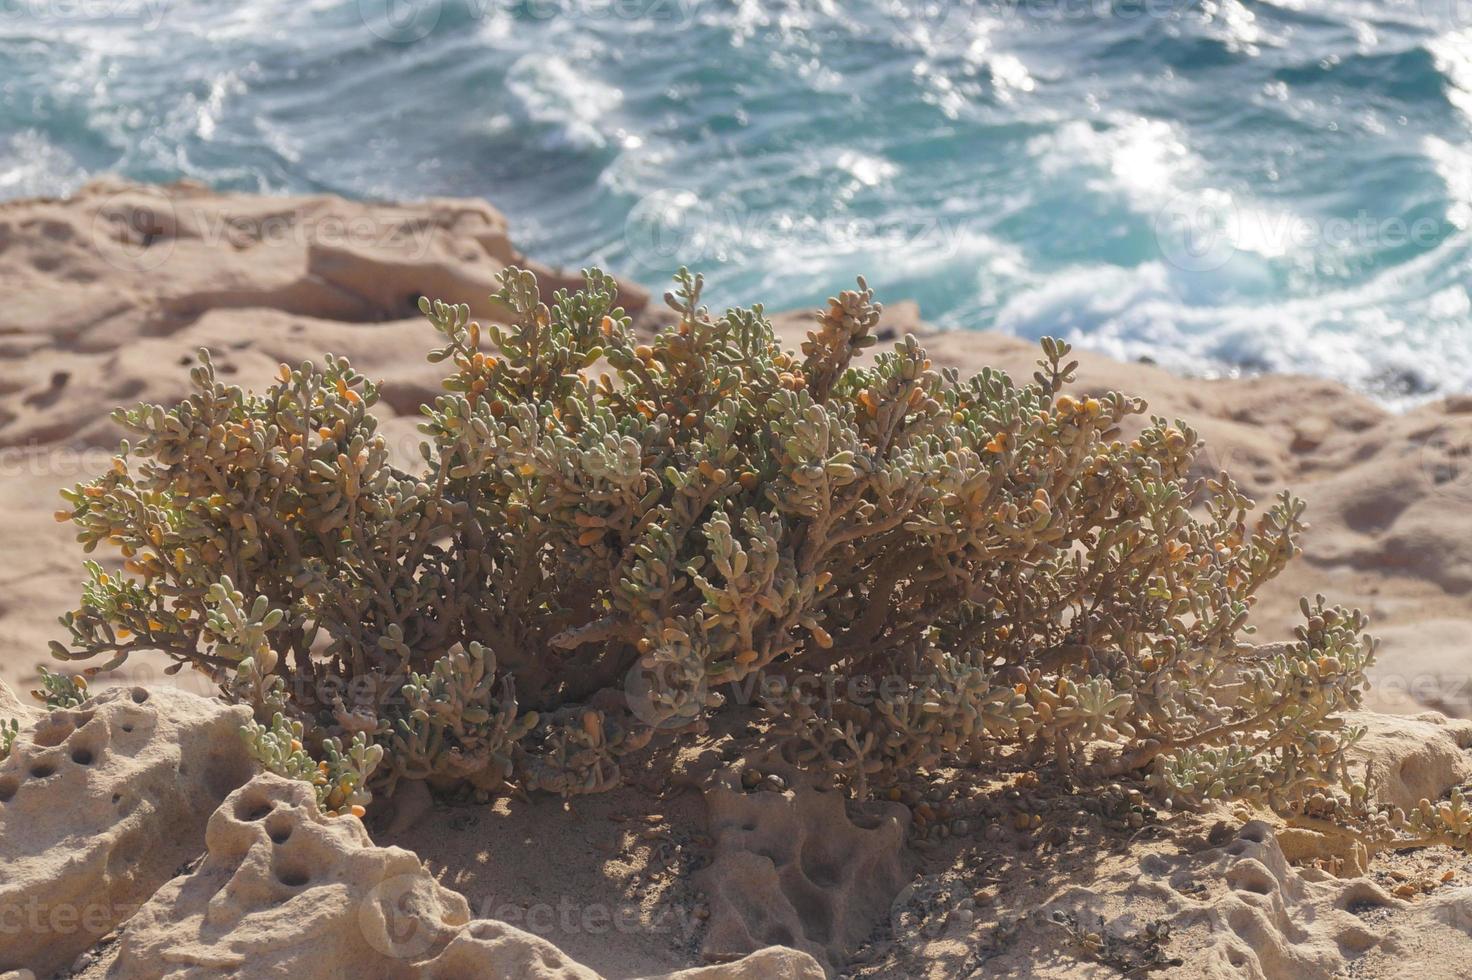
(99, 806)
(800, 867)
(286, 891)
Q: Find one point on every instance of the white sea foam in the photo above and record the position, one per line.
(1453, 58)
(573, 104)
(30, 165)
(1454, 166)
(1165, 185)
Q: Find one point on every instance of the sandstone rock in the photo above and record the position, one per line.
(1238, 911)
(1411, 759)
(99, 806)
(12, 707)
(285, 890)
(1277, 921)
(772, 963)
(800, 868)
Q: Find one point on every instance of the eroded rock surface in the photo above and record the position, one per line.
(284, 890)
(1411, 759)
(99, 806)
(12, 707)
(798, 867)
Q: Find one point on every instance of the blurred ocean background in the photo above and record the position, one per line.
(1219, 186)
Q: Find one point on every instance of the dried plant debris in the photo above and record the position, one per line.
(1132, 955)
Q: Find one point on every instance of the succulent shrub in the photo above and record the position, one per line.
(609, 538)
(340, 779)
(59, 690)
(9, 729)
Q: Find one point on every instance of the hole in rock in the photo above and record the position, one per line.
(43, 769)
(1254, 882)
(1254, 831)
(1362, 897)
(7, 789)
(779, 935)
(279, 830)
(82, 756)
(820, 872)
(1356, 942)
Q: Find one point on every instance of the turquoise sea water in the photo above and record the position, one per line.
(1221, 186)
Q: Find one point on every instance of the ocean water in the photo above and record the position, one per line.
(1221, 186)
